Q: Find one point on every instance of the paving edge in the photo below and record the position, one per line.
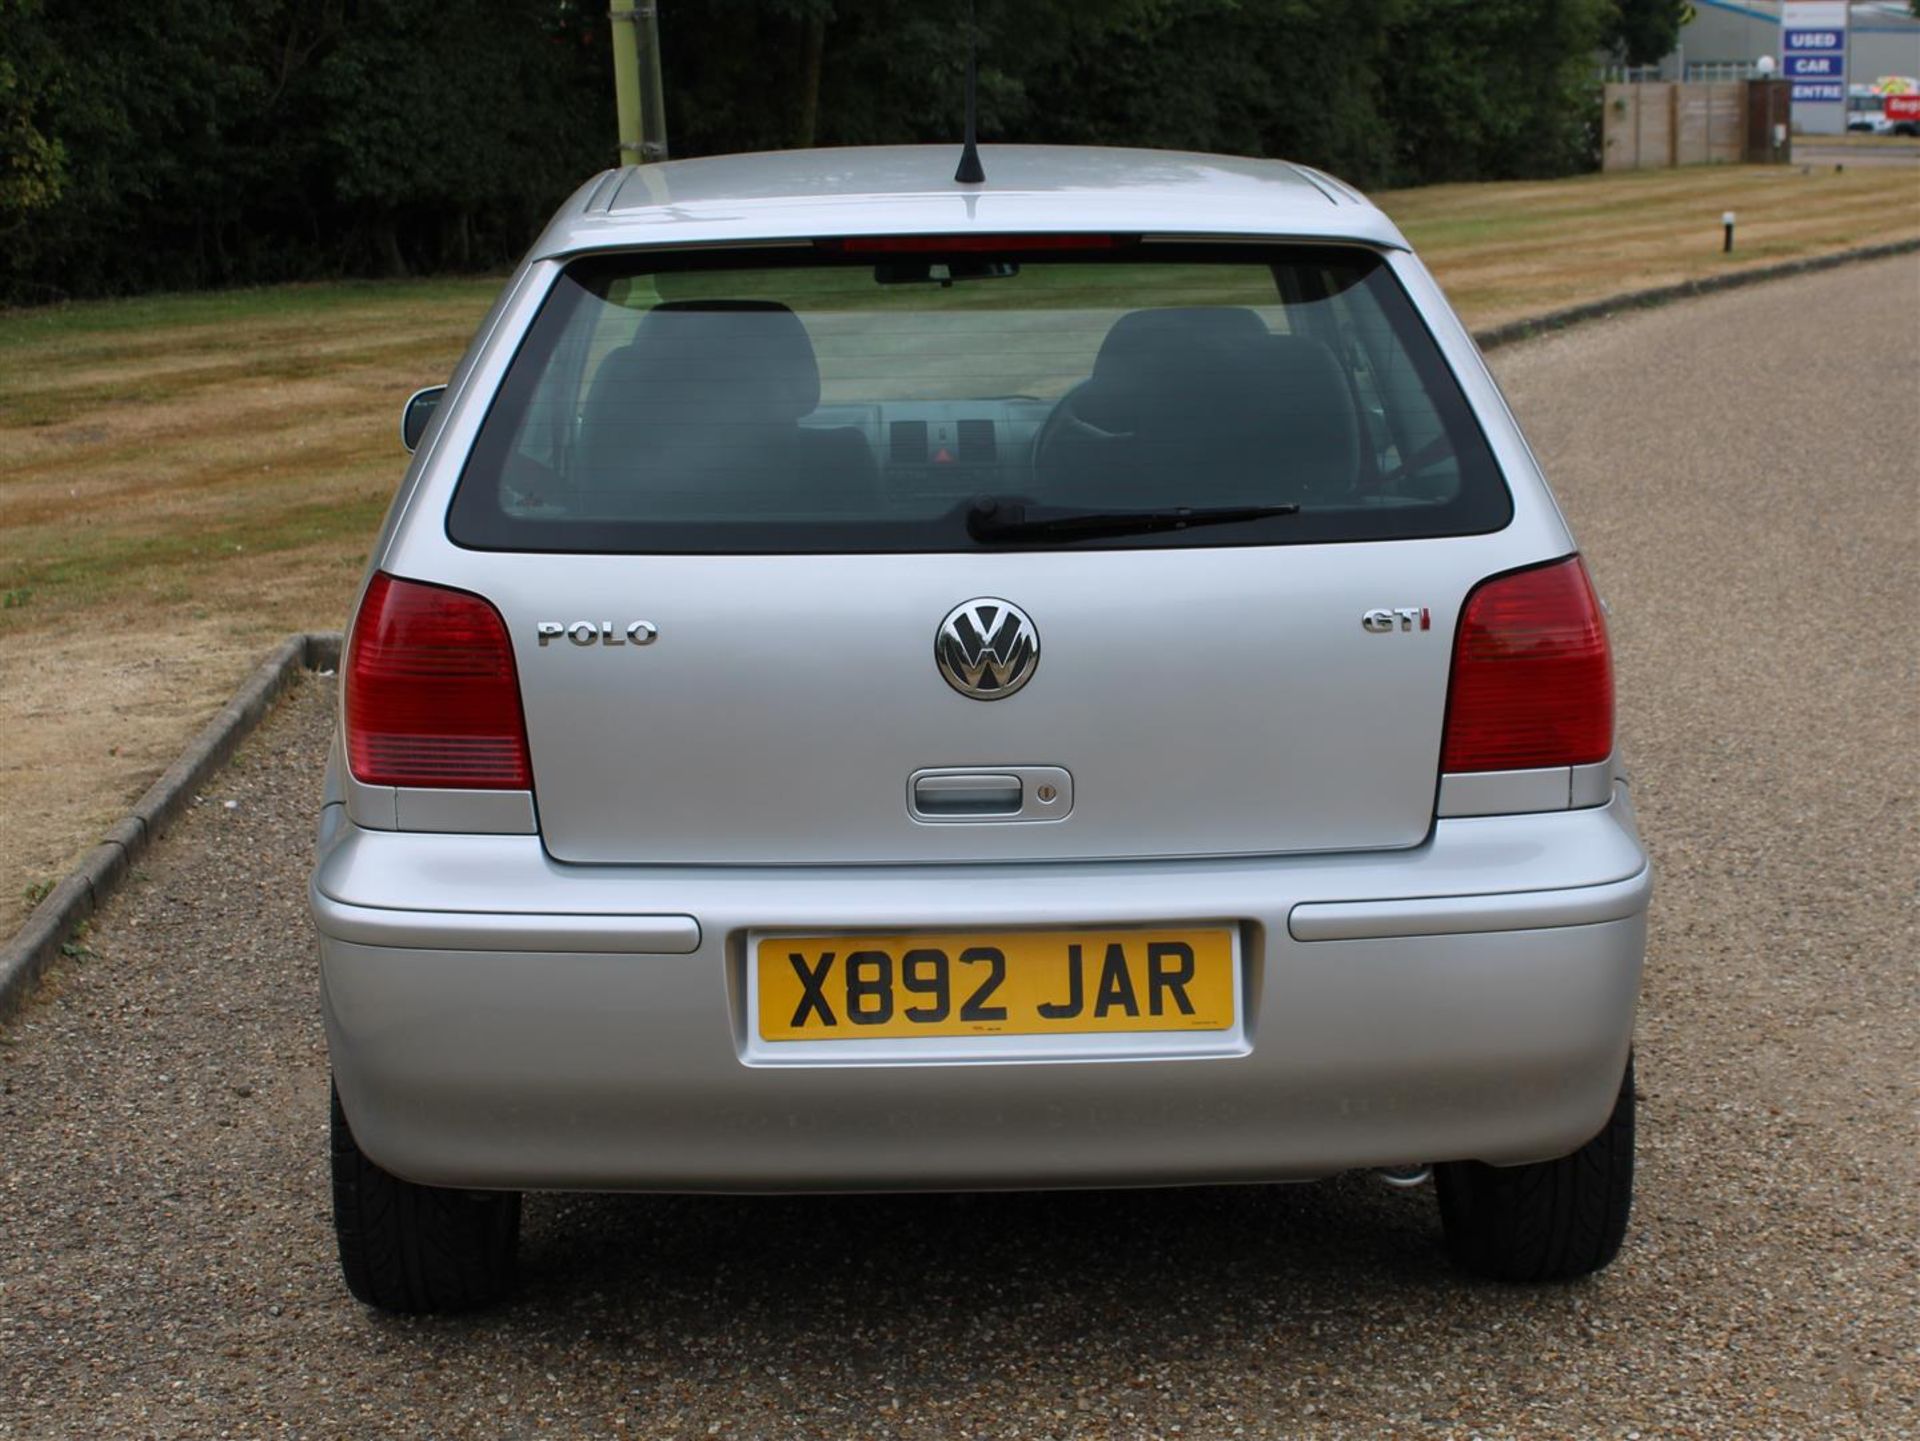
(51, 926)
(1536, 325)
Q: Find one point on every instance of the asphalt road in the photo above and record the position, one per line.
(1742, 471)
(1812, 152)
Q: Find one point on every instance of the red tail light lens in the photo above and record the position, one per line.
(950, 244)
(432, 698)
(1532, 675)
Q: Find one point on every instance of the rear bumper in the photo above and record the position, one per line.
(497, 1019)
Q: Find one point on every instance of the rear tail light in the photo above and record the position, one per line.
(432, 698)
(1532, 674)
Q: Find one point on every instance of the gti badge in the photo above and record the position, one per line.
(1406, 617)
(987, 648)
(587, 632)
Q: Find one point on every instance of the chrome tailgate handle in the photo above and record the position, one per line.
(937, 796)
(1010, 793)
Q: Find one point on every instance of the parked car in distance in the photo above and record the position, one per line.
(1889, 106)
(1866, 114)
(873, 682)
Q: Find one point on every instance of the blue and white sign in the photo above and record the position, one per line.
(1813, 55)
(1816, 67)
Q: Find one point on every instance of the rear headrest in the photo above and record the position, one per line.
(1155, 359)
(1306, 367)
(751, 359)
(1141, 336)
(1311, 405)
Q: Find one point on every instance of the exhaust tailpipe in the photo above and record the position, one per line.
(1403, 1178)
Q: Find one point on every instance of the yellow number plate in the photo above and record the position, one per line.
(1022, 983)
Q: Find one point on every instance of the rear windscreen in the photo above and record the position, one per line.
(871, 395)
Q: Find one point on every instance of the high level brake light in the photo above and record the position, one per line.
(949, 244)
(432, 697)
(1532, 674)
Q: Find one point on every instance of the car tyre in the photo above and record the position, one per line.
(1549, 1220)
(413, 1248)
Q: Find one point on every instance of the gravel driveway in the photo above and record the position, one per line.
(1743, 473)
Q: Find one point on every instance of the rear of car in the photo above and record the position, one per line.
(893, 694)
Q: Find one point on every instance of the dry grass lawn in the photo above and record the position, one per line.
(184, 479)
(1507, 251)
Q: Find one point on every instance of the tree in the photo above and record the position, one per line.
(1494, 89)
(765, 74)
(155, 111)
(181, 143)
(448, 128)
(32, 166)
(1295, 78)
(1645, 32)
(206, 142)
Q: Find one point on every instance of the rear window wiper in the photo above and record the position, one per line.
(991, 519)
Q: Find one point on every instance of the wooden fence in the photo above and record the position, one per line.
(1654, 125)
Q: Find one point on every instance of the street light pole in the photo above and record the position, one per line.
(638, 99)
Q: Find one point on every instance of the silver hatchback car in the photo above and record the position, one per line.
(873, 682)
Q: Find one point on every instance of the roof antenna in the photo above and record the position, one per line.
(970, 172)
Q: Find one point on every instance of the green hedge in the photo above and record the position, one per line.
(185, 143)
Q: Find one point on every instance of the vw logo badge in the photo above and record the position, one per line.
(987, 648)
